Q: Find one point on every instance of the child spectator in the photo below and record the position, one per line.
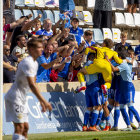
(123, 42)
(37, 26)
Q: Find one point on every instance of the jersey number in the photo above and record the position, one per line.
(104, 54)
(19, 109)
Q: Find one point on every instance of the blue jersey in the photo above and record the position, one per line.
(125, 72)
(127, 46)
(137, 51)
(44, 32)
(78, 33)
(43, 74)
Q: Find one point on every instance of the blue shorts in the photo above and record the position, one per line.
(93, 98)
(127, 95)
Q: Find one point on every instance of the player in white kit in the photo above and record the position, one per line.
(15, 99)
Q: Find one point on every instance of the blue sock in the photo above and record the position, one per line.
(134, 111)
(107, 121)
(110, 107)
(90, 117)
(116, 115)
(130, 115)
(94, 117)
(124, 114)
(99, 117)
(86, 117)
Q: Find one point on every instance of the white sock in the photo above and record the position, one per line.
(129, 126)
(82, 84)
(16, 137)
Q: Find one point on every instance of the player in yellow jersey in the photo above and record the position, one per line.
(100, 65)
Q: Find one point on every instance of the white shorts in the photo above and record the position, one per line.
(16, 112)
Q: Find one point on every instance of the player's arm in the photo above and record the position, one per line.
(117, 59)
(7, 5)
(33, 86)
(91, 49)
(113, 68)
(49, 65)
(19, 21)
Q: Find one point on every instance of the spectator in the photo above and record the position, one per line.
(47, 25)
(37, 26)
(88, 35)
(76, 31)
(8, 75)
(20, 48)
(67, 5)
(132, 6)
(137, 50)
(123, 42)
(23, 30)
(46, 64)
(7, 27)
(102, 17)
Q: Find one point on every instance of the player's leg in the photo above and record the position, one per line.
(25, 131)
(99, 118)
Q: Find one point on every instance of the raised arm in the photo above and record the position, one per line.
(29, 24)
(7, 5)
(19, 21)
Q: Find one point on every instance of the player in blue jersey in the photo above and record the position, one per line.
(93, 95)
(127, 91)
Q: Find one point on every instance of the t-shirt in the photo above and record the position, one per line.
(18, 49)
(127, 46)
(44, 32)
(17, 32)
(78, 33)
(6, 28)
(5, 59)
(66, 40)
(72, 75)
(54, 75)
(26, 68)
(42, 73)
(65, 70)
(137, 51)
(8, 75)
(125, 72)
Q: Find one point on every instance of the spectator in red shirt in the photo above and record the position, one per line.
(37, 26)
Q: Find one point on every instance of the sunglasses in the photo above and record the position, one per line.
(7, 50)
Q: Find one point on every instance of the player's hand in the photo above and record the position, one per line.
(30, 15)
(83, 43)
(67, 59)
(45, 106)
(58, 60)
(39, 16)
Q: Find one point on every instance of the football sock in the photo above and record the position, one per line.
(116, 115)
(16, 137)
(99, 117)
(94, 117)
(86, 117)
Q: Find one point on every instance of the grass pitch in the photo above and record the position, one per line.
(118, 135)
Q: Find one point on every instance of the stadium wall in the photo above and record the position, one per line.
(67, 113)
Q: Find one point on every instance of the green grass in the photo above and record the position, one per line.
(118, 135)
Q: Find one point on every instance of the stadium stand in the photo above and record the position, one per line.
(48, 14)
(19, 3)
(27, 12)
(107, 33)
(36, 13)
(116, 35)
(97, 36)
(39, 3)
(87, 17)
(18, 14)
(137, 19)
(30, 3)
(129, 20)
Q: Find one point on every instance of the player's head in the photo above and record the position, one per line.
(123, 37)
(91, 56)
(4, 20)
(88, 35)
(75, 22)
(6, 50)
(48, 50)
(35, 47)
(122, 55)
(37, 25)
(131, 53)
(121, 48)
(108, 43)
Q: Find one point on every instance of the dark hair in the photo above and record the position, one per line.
(88, 32)
(32, 43)
(122, 55)
(120, 48)
(18, 37)
(75, 19)
(22, 17)
(130, 51)
(109, 43)
(4, 17)
(91, 56)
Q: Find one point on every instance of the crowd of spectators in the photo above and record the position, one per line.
(63, 47)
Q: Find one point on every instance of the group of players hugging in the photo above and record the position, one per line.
(108, 80)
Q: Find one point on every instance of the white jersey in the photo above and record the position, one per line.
(26, 68)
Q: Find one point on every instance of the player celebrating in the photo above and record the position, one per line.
(16, 97)
(100, 65)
